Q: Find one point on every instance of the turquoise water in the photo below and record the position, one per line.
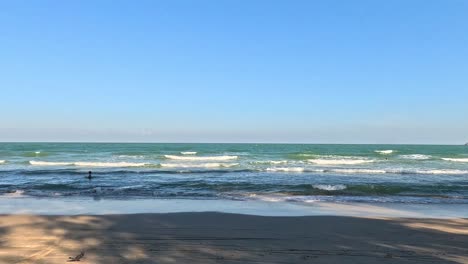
(268, 172)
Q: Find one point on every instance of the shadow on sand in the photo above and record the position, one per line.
(229, 238)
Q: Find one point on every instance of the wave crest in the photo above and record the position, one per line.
(456, 159)
(87, 164)
(329, 187)
(442, 171)
(286, 169)
(198, 165)
(384, 152)
(109, 164)
(206, 158)
(416, 156)
(358, 171)
(274, 162)
(370, 171)
(49, 163)
(339, 161)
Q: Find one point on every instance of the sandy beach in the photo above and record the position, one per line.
(231, 238)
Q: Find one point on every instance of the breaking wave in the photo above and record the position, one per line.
(329, 187)
(359, 171)
(384, 152)
(370, 171)
(87, 164)
(286, 169)
(452, 172)
(206, 158)
(339, 161)
(273, 162)
(49, 163)
(416, 156)
(109, 164)
(456, 159)
(198, 165)
(188, 152)
(14, 193)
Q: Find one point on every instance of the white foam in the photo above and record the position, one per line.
(87, 164)
(401, 171)
(49, 163)
(456, 160)
(344, 171)
(16, 193)
(37, 152)
(329, 187)
(286, 169)
(283, 198)
(207, 158)
(358, 171)
(428, 171)
(267, 198)
(109, 164)
(278, 161)
(274, 162)
(188, 152)
(442, 171)
(368, 171)
(130, 156)
(339, 161)
(416, 156)
(198, 165)
(2, 161)
(306, 154)
(384, 152)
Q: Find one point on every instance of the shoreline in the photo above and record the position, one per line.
(104, 206)
(231, 238)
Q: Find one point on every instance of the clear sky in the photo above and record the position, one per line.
(234, 71)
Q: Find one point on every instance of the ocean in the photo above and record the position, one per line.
(290, 173)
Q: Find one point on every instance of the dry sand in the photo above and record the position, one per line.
(230, 238)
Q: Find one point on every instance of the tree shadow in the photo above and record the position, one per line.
(230, 238)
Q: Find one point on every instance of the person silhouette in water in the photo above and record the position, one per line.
(89, 175)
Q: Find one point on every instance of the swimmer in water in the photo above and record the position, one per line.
(89, 175)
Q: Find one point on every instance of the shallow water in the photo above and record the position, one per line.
(411, 174)
(103, 206)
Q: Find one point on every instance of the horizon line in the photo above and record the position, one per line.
(259, 143)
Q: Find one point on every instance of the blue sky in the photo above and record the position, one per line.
(234, 71)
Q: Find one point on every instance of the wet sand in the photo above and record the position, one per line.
(231, 238)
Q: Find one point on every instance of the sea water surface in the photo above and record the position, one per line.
(414, 174)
